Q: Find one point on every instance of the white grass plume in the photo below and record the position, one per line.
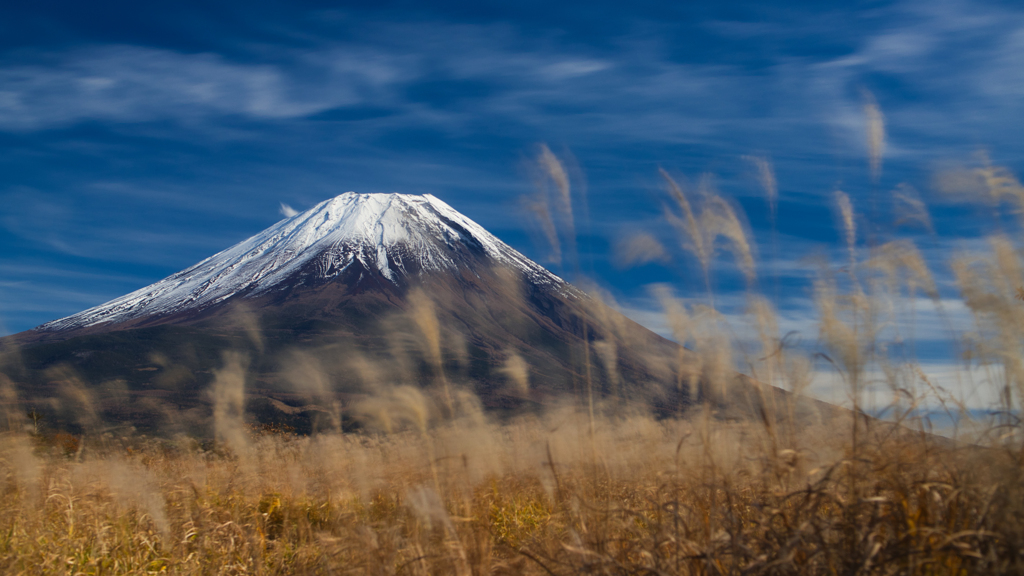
(393, 409)
(638, 249)
(228, 392)
(719, 219)
(562, 218)
(424, 317)
(684, 328)
(770, 186)
(306, 374)
(517, 371)
(690, 231)
(875, 126)
(849, 226)
(554, 169)
(901, 260)
(1002, 184)
(538, 207)
(910, 209)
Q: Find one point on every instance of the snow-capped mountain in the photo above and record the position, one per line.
(347, 278)
(333, 299)
(386, 236)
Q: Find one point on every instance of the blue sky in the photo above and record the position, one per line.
(139, 138)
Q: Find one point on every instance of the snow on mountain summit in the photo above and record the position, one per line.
(393, 234)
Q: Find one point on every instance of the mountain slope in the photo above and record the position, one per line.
(338, 304)
(387, 235)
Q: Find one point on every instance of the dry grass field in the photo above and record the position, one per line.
(540, 495)
(590, 487)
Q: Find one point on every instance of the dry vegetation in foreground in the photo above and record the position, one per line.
(534, 496)
(585, 489)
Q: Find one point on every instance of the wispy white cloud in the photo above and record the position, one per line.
(138, 84)
(639, 92)
(287, 211)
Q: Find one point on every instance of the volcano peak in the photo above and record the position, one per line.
(387, 237)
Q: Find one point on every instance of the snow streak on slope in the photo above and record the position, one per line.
(393, 234)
